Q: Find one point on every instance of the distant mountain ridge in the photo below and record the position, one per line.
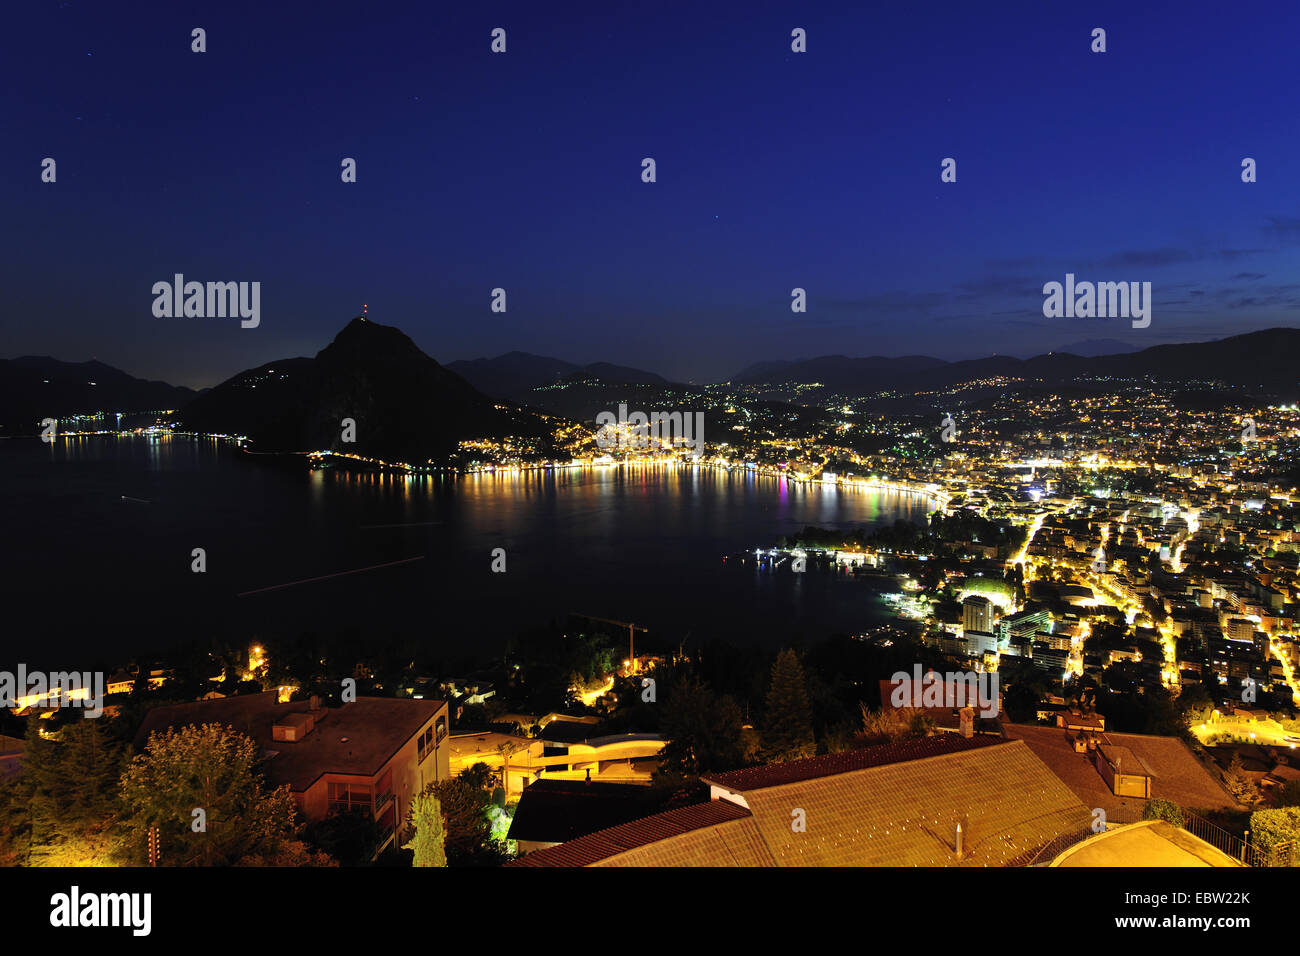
(515, 374)
(834, 367)
(512, 372)
(1267, 358)
(415, 404)
(34, 387)
(1092, 348)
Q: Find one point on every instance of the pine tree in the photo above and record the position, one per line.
(1238, 784)
(787, 728)
(93, 763)
(69, 790)
(430, 838)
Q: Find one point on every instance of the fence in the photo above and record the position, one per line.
(1046, 854)
(1283, 854)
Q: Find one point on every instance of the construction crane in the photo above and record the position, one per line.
(631, 632)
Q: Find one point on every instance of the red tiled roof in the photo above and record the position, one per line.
(895, 805)
(598, 846)
(1176, 773)
(810, 768)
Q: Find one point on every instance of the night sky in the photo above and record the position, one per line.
(775, 170)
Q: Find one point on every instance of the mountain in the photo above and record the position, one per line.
(610, 374)
(1091, 348)
(839, 372)
(406, 406)
(514, 375)
(1265, 359)
(34, 387)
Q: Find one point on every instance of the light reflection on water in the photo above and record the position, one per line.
(641, 543)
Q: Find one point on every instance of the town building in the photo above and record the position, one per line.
(375, 753)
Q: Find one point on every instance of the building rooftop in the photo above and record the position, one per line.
(1175, 772)
(553, 811)
(773, 775)
(561, 731)
(893, 805)
(698, 835)
(485, 744)
(357, 738)
(1125, 760)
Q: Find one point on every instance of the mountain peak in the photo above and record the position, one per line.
(366, 339)
(407, 407)
(359, 325)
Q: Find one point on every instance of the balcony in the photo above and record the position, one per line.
(428, 743)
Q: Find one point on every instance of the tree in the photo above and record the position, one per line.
(213, 769)
(1025, 687)
(464, 801)
(1288, 795)
(58, 811)
(1238, 784)
(15, 823)
(1195, 704)
(1162, 716)
(1277, 833)
(351, 837)
(290, 853)
(430, 837)
(1163, 810)
(787, 724)
(704, 731)
(888, 725)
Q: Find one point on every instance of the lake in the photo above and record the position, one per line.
(99, 533)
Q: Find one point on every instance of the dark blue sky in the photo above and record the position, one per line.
(522, 170)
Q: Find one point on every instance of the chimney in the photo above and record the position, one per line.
(968, 722)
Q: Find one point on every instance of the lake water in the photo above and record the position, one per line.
(99, 531)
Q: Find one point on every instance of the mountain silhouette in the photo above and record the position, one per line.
(407, 407)
(515, 375)
(1264, 359)
(35, 387)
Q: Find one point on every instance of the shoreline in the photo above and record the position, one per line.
(328, 458)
